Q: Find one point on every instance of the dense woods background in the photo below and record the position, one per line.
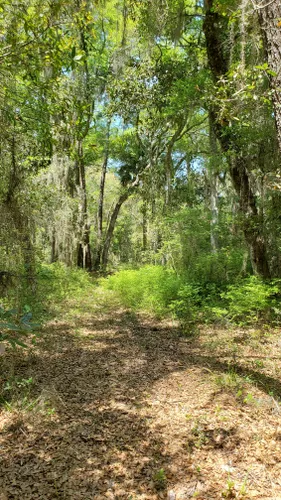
(140, 133)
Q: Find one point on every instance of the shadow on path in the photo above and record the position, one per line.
(102, 441)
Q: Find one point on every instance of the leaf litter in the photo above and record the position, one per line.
(125, 408)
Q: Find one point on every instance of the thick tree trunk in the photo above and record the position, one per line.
(251, 222)
(110, 230)
(215, 27)
(24, 233)
(20, 219)
(269, 17)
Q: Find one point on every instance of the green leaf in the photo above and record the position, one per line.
(78, 57)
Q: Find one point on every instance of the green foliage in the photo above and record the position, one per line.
(57, 282)
(250, 299)
(150, 288)
(14, 328)
(128, 87)
(52, 284)
(186, 305)
(161, 291)
(160, 479)
(16, 393)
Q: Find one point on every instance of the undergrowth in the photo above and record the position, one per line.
(163, 292)
(150, 288)
(52, 284)
(24, 307)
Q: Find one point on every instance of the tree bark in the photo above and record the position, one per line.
(54, 252)
(213, 183)
(169, 174)
(84, 259)
(215, 27)
(110, 230)
(101, 202)
(269, 18)
(84, 250)
(144, 226)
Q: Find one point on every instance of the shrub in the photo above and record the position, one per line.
(216, 269)
(58, 281)
(185, 306)
(151, 288)
(161, 291)
(250, 299)
(52, 284)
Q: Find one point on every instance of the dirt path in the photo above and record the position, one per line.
(124, 408)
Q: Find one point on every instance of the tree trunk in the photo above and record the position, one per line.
(213, 180)
(25, 236)
(84, 250)
(269, 18)
(215, 27)
(144, 226)
(84, 259)
(213, 183)
(20, 220)
(54, 252)
(169, 174)
(110, 230)
(101, 202)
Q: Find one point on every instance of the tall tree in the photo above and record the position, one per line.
(269, 14)
(216, 31)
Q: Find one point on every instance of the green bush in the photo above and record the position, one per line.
(151, 288)
(161, 291)
(250, 299)
(58, 281)
(216, 269)
(185, 306)
(52, 284)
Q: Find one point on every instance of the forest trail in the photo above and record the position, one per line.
(125, 408)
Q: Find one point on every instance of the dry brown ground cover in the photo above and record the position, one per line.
(123, 407)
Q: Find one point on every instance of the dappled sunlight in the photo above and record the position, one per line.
(123, 399)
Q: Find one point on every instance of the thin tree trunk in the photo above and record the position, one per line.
(84, 250)
(54, 252)
(101, 202)
(169, 167)
(169, 173)
(213, 182)
(144, 226)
